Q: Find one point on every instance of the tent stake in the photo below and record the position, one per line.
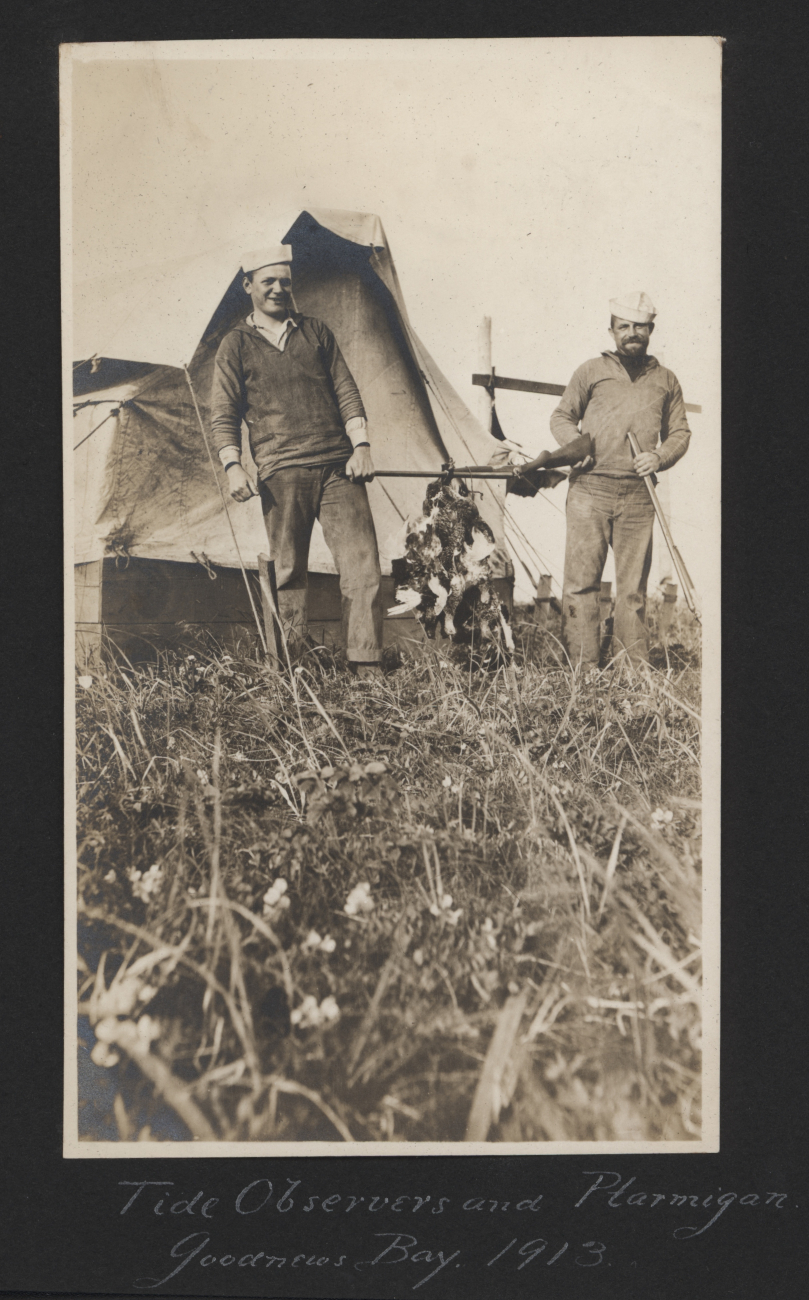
(227, 513)
(542, 600)
(667, 609)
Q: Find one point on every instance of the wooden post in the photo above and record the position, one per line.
(542, 600)
(483, 406)
(668, 608)
(269, 606)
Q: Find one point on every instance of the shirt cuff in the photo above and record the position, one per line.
(357, 430)
(228, 455)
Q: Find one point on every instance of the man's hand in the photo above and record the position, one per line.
(241, 488)
(360, 467)
(648, 462)
(536, 463)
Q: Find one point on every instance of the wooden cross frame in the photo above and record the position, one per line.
(534, 386)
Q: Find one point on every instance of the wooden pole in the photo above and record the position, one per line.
(662, 564)
(682, 572)
(269, 606)
(462, 471)
(483, 404)
(486, 379)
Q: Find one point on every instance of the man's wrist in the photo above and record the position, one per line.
(233, 464)
(357, 430)
(230, 455)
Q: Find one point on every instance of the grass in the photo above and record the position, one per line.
(490, 916)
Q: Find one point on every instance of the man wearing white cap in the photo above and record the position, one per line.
(284, 375)
(608, 504)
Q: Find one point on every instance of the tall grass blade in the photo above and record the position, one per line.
(611, 865)
(485, 1108)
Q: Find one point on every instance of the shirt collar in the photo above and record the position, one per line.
(277, 327)
(649, 362)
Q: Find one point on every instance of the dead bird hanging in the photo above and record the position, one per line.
(445, 577)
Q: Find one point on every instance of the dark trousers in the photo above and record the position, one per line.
(292, 499)
(604, 512)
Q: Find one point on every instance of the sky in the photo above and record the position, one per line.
(527, 180)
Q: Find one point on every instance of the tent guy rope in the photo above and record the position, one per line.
(97, 427)
(390, 498)
(227, 512)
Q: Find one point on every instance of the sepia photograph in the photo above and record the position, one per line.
(392, 418)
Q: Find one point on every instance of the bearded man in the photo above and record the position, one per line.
(608, 503)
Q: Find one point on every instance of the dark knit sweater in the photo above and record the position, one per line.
(608, 402)
(295, 402)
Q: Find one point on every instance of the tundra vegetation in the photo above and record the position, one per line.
(462, 902)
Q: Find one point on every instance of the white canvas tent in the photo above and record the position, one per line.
(148, 514)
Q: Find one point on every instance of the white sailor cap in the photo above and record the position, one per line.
(272, 255)
(637, 307)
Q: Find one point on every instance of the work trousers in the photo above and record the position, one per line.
(292, 499)
(604, 512)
